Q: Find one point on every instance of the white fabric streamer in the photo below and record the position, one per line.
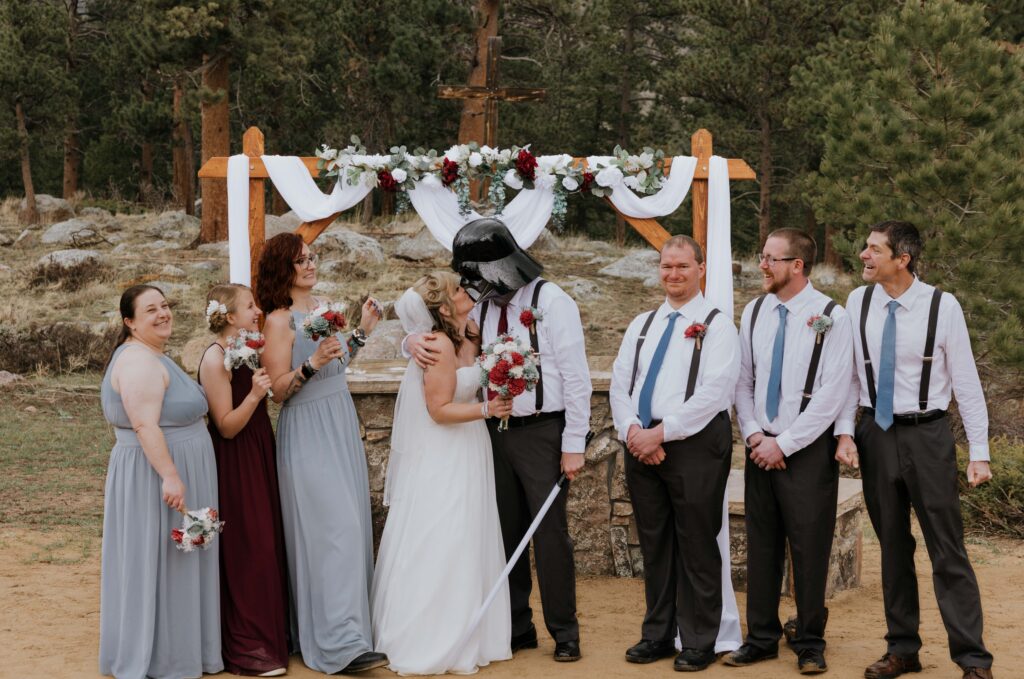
(718, 286)
(411, 414)
(238, 220)
(666, 201)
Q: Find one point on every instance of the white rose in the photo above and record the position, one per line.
(475, 159)
(646, 159)
(609, 176)
(570, 184)
(632, 183)
(399, 175)
(505, 155)
(456, 154)
(516, 371)
(489, 362)
(512, 180)
(327, 153)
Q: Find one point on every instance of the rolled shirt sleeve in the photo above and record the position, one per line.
(970, 397)
(623, 413)
(570, 357)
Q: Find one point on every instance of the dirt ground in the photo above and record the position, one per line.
(50, 618)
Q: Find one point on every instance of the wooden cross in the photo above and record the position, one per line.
(650, 229)
(491, 93)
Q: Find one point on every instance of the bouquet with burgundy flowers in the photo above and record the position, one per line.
(198, 529)
(244, 349)
(508, 367)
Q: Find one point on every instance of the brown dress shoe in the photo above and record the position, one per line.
(891, 666)
(977, 673)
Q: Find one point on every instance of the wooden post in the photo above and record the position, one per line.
(252, 146)
(700, 148)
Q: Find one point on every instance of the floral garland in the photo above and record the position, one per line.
(515, 168)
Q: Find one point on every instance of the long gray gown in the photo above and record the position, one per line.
(325, 505)
(159, 607)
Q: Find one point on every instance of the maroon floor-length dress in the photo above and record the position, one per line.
(253, 575)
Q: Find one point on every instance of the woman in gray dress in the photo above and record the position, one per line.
(325, 498)
(159, 607)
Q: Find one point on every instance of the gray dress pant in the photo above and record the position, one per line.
(915, 466)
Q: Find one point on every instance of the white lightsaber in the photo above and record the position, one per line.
(464, 639)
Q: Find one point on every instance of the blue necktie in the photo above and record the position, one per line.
(887, 370)
(775, 379)
(647, 392)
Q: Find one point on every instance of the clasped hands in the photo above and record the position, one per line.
(765, 452)
(645, 444)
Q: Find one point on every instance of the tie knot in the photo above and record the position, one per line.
(783, 311)
(893, 305)
(674, 315)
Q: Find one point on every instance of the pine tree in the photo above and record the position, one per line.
(929, 127)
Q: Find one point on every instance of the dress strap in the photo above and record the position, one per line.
(199, 377)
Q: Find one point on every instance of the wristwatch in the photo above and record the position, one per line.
(359, 335)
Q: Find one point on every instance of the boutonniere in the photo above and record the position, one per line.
(530, 316)
(820, 325)
(696, 331)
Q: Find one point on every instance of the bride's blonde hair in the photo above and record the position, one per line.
(437, 290)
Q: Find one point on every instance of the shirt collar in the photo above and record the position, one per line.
(907, 300)
(796, 303)
(691, 311)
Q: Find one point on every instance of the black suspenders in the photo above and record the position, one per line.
(534, 342)
(812, 369)
(691, 380)
(929, 347)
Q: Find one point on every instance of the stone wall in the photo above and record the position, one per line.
(600, 514)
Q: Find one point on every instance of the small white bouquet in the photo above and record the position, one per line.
(198, 529)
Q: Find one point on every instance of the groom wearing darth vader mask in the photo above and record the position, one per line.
(548, 428)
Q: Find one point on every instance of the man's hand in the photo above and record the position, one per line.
(423, 349)
(754, 439)
(646, 441)
(767, 454)
(846, 451)
(978, 472)
(655, 458)
(572, 464)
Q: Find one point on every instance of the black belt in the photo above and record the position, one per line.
(527, 420)
(911, 419)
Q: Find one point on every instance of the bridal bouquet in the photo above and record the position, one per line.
(244, 349)
(324, 321)
(198, 529)
(508, 367)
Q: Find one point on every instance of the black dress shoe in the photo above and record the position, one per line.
(811, 661)
(748, 654)
(527, 639)
(694, 660)
(366, 661)
(649, 651)
(567, 651)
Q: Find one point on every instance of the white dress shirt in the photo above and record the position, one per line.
(565, 372)
(795, 430)
(953, 367)
(716, 377)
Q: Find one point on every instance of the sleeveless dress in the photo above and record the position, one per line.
(325, 504)
(254, 578)
(159, 607)
(442, 552)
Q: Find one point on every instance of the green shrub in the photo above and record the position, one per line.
(996, 507)
(68, 278)
(63, 347)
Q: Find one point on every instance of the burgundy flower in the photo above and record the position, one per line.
(586, 181)
(177, 535)
(516, 386)
(386, 181)
(526, 165)
(449, 172)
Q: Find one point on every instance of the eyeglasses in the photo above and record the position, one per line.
(304, 261)
(770, 261)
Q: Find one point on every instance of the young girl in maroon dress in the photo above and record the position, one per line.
(253, 582)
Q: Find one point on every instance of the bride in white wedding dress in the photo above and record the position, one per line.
(441, 551)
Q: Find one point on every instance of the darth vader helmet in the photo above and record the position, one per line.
(489, 260)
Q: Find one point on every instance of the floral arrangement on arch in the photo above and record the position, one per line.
(515, 168)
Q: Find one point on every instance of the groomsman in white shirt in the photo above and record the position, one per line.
(670, 397)
(795, 362)
(912, 350)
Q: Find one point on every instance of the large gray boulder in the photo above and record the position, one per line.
(350, 246)
(639, 265)
(384, 343)
(219, 249)
(174, 224)
(546, 242)
(66, 258)
(582, 290)
(422, 247)
(70, 232)
(50, 208)
(286, 223)
(6, 239)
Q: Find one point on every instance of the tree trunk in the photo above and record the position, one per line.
(625, 108)
(764, 220)
(832, 257)
(182, 152)
(277, 204)
(30, 215)
(471, 124)
(216, 141)
(146, 172)
(72, 154)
